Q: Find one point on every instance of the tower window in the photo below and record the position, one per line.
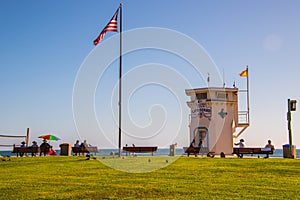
(221, 95)
(201, 96)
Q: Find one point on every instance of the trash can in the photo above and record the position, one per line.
(65, 149)
(173, 149)
(286, 151)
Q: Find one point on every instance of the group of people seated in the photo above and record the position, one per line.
(193, 143)
(45, 148)
(242, 145)
(83, 144)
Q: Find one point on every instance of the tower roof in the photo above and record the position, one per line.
(190, 92)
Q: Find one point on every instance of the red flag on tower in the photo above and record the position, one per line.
(112, 26)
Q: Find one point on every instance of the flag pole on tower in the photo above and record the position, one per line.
(245, 73)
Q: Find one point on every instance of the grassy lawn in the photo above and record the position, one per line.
(186, 178)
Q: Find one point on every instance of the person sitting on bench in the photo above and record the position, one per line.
(44, 147)
(241, 145)
(269, 145)
(192, 143)
(77, 144)
(23, 145)
(34, 145)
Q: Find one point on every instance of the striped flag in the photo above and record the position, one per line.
(112, 26)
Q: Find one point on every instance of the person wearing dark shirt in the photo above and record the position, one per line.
(34, 145)
(23, 145)
(44, 147)
(269, 145)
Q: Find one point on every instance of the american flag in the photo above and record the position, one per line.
(112, 26)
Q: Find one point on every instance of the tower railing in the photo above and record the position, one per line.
(243, 117)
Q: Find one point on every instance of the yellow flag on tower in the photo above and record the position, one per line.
(244, 73)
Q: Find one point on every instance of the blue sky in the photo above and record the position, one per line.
(44, 43)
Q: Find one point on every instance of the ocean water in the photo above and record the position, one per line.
(278, 153)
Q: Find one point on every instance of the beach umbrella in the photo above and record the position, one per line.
(49, 137)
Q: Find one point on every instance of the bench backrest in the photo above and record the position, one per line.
(197, 150)
(253, 150)
(140, 149)
(84, 149)
(26, 150)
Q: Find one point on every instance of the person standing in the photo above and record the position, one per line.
(200, 146)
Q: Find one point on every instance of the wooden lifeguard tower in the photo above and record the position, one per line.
(215, 117)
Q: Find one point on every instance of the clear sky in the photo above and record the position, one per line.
(44, 43)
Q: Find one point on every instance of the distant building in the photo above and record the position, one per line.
(214, 118)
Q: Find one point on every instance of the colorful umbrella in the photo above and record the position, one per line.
(49, 137)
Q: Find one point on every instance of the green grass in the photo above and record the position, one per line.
(186, 178)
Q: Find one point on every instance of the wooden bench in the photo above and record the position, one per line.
(78, 150)
(252, 150)
(33, 150)
(197, 150)
(149, 149)
(22, 150)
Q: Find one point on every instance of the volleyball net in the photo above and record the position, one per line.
(9, 140)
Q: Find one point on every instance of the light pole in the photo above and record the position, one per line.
(291, 107)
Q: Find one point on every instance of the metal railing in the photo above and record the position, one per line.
(243, 117)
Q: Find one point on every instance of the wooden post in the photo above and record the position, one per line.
(27, 139)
